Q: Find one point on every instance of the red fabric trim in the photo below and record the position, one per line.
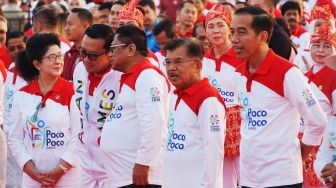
(95, 80)
(130, 78)
(271, 73)
(298, 31)
(325, 79)
(229, 58)
(61, 93)
(194, 95)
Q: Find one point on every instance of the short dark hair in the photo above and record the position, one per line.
(166, 26)
(101, 31)
(37, 46)
(290, 5)
(261, 21)
(149, 3)
(130, 34)
(185, 2)
(106, 5)
(119, 2)
(194, 47)
(48, 16)
(15, 34)
(83, 15)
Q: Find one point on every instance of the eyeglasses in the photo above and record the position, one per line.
(112, 47)
(53, 57)
(91, 56)
(177, 61)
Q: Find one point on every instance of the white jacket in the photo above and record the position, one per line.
(13, 83)
(272, 100)
(135, 130)
(194, 150)
(45, 130)
(94, 110)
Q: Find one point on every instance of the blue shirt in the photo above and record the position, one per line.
(151, 41)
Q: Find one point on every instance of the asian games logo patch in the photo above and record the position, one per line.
(308, 98)
(214, 123)
(155, 93)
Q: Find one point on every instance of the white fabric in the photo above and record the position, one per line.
(270, 149)
(194, 149)
(94, 110)
(55, 138)
(134, 132)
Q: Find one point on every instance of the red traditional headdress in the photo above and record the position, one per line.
(324, 34)
(218, 11)
(324, 9)
(130, 12)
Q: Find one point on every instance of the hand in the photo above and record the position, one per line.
(52, 177)
(328, 174)
(308, 66)
(30, 169)
(140, 175)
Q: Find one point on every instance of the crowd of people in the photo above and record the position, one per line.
(173, 94)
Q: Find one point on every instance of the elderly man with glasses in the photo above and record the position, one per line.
(194, 150)
(96, 87)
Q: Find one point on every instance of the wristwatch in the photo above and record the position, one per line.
(65, 169)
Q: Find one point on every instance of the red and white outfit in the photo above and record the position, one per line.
(272, 100)
(220, 73)
(135, 130)
(95, 97)
(3, 145)
(45, 129)
(322, 80)
(194, 149)
(13, 83)
(327, 150)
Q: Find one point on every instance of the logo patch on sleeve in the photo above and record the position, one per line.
(214, 123)
(155, 94)
(308, 98)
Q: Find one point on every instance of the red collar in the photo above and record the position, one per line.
(187, 34)
(35, 89)
(193, 89)
(298, 31)
(211, 54)
(263, 68)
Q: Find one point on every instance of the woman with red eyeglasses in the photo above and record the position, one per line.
(45, 120)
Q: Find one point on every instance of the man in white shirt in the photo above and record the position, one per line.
(273, 94)
(133, 136)
(96, 87)
(194, 151)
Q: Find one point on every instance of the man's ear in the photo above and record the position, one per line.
(131, 50)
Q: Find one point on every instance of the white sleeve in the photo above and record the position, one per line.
(333, 105)
(212, 122)
(299, 93)
(324, 154)
(71, 153)
(16, 134)
(151, 93)
(7, 106)
(2, 83)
